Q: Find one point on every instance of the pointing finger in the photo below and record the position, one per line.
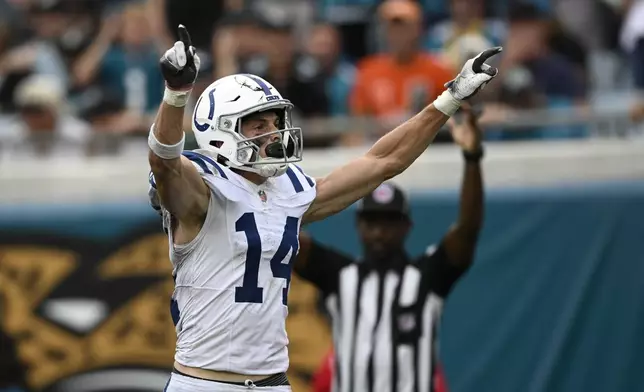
(184, 36)
(481, 58)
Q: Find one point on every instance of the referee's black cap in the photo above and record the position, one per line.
(386, 199)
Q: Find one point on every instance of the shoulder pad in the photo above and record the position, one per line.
(300, 181)
(205, 164)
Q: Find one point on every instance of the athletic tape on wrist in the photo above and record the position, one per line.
(165, 151)
(447, 104)
(174, 98)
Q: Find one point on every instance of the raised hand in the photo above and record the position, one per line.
(474, 75)
(465, 129)
(180, 64)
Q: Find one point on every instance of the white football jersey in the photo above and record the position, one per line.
(231, 282)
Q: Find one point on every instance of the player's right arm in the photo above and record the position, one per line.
(181, 189)
(179, 185)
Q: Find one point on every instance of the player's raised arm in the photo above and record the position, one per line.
(180, 187)
(398, 149)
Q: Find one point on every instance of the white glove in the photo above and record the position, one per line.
(472, 78)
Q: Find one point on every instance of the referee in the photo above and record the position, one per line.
(386, 306)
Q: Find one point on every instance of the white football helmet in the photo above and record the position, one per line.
(217, 119)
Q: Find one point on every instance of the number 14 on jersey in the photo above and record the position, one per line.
(250, 292)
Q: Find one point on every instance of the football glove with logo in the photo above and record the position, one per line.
(179, 67)
(472, 78)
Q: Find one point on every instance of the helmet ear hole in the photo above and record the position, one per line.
(220, 158)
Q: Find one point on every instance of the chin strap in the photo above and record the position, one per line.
(266, 170)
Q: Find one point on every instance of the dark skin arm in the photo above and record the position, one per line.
(319, 265)
(460, 241)
(303, 254)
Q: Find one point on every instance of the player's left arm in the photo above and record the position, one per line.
(398, 149)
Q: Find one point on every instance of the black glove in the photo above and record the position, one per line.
(180, 64)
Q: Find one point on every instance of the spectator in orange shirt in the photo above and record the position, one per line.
(397, 84)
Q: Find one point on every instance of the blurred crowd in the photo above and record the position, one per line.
(80, 77)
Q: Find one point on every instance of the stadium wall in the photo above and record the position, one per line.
(553, 303)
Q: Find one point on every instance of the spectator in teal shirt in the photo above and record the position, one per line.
(133, 75)
(467, 31)
(124, 60)
(325, 47)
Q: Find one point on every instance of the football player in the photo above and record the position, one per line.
(234, 207)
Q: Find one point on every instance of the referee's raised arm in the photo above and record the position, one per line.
(385, 306)
(319, 265)
(445, 264)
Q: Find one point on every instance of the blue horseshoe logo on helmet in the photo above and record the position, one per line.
(211, 113)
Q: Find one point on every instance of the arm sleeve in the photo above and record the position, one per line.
(438, 273)
(323, 267)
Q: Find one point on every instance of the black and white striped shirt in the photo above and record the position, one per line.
(384, 321)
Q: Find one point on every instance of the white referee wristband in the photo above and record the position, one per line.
(165, 151)
(175, 98)
(447, 104)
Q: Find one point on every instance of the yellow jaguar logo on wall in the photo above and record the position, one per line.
(77, 321)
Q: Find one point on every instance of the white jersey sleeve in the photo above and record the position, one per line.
(207, 168)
